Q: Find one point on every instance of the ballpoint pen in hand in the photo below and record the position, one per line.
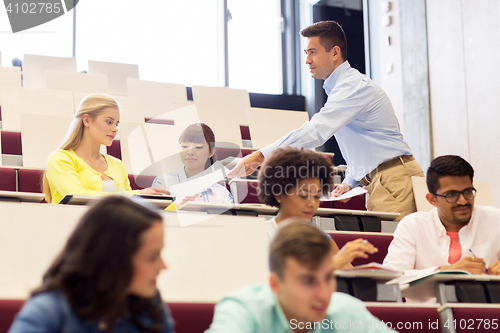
(474, 256)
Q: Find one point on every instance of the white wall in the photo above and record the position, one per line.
(464, 83)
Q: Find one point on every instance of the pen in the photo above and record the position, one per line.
(473, 256)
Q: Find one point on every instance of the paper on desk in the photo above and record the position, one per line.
(200, 182)
(349, 194)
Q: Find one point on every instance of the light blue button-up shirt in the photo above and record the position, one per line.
(255, 309)
(360, 115)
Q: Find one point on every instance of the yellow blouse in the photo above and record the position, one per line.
(67, 173)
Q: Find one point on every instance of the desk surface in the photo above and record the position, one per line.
(427, 287)
(205, 260)
(159, 201)
(374, 274)
(268, 210)
(21, 196)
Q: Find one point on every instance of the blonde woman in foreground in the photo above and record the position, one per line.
(78, 167)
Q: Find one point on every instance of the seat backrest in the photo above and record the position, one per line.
(269, 125)
(34, 67)
(222, 119)
(380, 241)
(483, 196)
(17, 100)
(7, 179)
(150, 149)
(83, 82)
(10, 76)
(35, 126)
(117, 74)
(8, 310)
(30, 180)
(157, 97)
(224, 96)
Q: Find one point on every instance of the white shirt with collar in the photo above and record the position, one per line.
(420, 240)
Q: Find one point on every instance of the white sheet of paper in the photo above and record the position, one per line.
(200, 182)
(349, 194)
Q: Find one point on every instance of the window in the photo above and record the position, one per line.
(54, 38)
(254, 46)
(171, 41)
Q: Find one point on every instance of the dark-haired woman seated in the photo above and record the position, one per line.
(294, 180)
(105, 277)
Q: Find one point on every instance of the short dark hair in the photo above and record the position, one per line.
(94, 269)
(330, 34)
(447, 165)
(285, 167)
(298, 240)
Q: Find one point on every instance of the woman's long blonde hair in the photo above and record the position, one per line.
(91, 105)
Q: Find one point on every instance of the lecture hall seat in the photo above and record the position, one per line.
(380, 241)
(11, 143)
(30, 180)
(411, 319)
(189, 317)
(7, 179)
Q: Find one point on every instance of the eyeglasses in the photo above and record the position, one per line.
(452, 197)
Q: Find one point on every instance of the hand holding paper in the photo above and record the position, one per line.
(349, 194)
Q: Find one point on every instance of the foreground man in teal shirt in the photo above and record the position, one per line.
(301, 293)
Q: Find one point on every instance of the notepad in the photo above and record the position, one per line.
(410, 279)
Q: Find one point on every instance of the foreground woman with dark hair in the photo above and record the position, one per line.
(105, 277)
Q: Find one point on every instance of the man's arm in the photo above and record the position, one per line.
(402, 252)
(342, 106)
(472, 265)
(247, 165)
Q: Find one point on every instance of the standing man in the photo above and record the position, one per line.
(363, 121)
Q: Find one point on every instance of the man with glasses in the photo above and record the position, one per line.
(455, 234)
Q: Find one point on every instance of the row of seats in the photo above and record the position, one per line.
(196, 317)
(29, 180)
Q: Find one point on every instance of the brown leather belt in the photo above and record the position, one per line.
(386, 165)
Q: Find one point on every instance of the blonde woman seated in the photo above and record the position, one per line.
(78, 167)
(197, 153)
(294, 180)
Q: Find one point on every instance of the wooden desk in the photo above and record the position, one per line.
(205, 260)
(230, 209)
(384, 291)
(435, 286)
(21, 196)
(158, 201)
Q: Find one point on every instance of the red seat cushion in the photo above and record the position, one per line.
(30, 180)
(381, 242)
(358, 203)
(140, 182)
(115, 149)
(7, 179)
(11, 143)
(189, 317)
(192, 317)
(159, 121)
(8, 310)
(407, 319)
(245, 133)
